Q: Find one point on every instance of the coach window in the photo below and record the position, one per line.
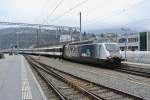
(60, 49)
(100, 50)
(57, 49)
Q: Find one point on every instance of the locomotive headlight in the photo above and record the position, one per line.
(109, 57)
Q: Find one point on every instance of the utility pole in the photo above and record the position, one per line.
(18, 40)
(70, 34)
(56, 32)
(80, 27)
(126, 41)
(37, 38)
(38, 30)
(18, 44)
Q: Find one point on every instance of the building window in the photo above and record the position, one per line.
(130, 40)
(122, 40)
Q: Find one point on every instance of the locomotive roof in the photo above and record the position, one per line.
(81, 42)
(90, 42)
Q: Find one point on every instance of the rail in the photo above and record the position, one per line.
(88, 88)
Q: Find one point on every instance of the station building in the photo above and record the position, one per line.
(135, 42)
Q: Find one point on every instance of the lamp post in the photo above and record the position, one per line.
(18, 41)
(38, 43)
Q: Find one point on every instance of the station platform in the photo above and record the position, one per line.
(140, 65)
(17, 81)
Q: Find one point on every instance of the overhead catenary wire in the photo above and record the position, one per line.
(59, 3)
(41, 11)
(70, 9)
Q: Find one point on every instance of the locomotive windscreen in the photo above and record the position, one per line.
(112, 47)
(88, 51)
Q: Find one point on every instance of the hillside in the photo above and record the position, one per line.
(27, 37)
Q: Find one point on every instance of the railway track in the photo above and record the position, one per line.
(64, 89)
(49, 93)
(134, 70)
(70, 87)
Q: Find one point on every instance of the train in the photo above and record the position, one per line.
(83, 51)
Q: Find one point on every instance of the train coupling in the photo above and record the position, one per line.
(113, 59)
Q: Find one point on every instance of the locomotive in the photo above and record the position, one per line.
(95, 53)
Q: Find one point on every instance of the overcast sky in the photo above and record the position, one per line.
(96, 14)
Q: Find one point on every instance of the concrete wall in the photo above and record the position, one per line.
(137, 56)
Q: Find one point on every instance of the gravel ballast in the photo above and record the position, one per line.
(135, 85)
